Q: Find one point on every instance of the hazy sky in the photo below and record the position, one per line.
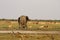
(35, 9)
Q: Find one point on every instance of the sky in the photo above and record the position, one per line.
(34, 9)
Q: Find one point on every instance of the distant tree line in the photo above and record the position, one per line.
(46, 20)
(8, 19)
(30, 20)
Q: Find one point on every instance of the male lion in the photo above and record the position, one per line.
(22, 21)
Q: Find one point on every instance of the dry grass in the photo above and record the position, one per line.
(8, 25)
(29, 37)
(44, 25)
(4, 25)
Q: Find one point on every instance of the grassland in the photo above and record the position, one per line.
(8, 25)
(47, 26)
(18, 36)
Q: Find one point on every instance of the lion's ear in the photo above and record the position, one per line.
(18, 19)
(27, 18)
